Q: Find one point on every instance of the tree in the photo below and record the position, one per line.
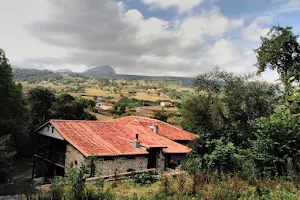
(66, 107)
(12, 105)
(226, 101)
(161, 115)
(295, 100)
(280, 51)
(223, 112)
(40, 100)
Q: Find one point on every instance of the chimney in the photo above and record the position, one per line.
(137, 142)
(155, 128)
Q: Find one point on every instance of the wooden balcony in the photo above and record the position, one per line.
(52, 155)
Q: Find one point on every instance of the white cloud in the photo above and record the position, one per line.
(14, 39)
(80, 34)
(181, 5)
(214, 24)
(223, 52)
(263, 19)
(253, 32)
(286, 6)
(289, 3)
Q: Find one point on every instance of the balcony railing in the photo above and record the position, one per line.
(53, 155)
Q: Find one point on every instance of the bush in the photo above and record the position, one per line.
(145, 178)
(277, 143)
(57, 188)
(75, 179)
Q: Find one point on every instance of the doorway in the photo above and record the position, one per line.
(152, 158)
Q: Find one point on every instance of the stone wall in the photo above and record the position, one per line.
(110, 165)
(73, 158)
(120, 164)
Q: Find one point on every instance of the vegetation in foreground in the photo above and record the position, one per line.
(180, 186)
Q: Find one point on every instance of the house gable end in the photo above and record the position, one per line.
(50, 131)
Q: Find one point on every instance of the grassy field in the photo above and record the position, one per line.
(150, 97)
(148, 111)
(102, 117)
(45, 85)
(141, 94)
(98, 92)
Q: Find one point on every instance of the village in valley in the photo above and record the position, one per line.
(114, 96)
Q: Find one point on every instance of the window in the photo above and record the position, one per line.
(75, 162)
(47, 128)
(52, 129)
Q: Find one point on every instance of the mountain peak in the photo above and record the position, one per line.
(104, 70)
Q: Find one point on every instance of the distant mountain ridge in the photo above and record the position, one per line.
(64, 71)
(105, 70)
(25, 74)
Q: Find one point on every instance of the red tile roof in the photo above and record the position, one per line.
(97, 138)
(164, 129)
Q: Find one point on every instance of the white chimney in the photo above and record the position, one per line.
(154, 128)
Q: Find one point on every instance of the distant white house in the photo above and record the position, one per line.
(104, 106)
(166, 104)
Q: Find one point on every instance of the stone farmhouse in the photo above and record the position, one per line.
(104, 106)
(108, 147)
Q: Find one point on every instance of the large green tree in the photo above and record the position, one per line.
(280, 51)
(40, 101)
(12, 123)
(67, 107)
(11, 99)
(222, 113)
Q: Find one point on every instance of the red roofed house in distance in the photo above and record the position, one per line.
(116, 146)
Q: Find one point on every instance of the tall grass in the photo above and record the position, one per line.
(186, 186)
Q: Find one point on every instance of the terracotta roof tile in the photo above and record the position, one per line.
(97, 138)
(164, 129)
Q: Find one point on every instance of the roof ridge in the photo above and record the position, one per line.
(154, 120)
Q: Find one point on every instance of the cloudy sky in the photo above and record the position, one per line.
(149, 37)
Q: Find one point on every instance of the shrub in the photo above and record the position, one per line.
(145, 178)
(75, 179)
(277, 143)
(57, 188)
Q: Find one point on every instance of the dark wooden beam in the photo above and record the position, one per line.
(47, 160)
(33, 168)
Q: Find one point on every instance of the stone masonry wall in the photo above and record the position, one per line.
(73, 158)
(121, 164)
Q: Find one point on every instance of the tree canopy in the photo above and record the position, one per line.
(12, 114)
(223, 113)
(280, 51)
